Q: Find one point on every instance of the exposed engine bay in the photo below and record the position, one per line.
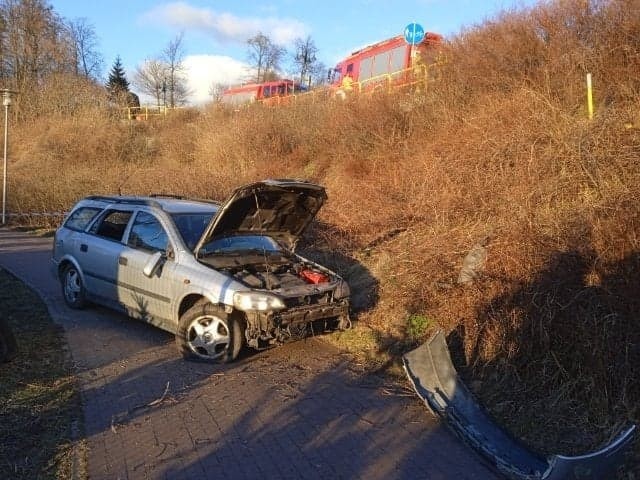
(316, 299)
(278, 277)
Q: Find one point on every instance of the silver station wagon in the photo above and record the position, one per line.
(217, 276)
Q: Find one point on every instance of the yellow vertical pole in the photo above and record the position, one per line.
(589, 96)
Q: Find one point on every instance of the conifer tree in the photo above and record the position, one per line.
(118, 83)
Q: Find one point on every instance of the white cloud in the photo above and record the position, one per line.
(225, 27)
(204, 70)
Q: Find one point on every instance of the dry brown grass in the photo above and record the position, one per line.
(499, 148)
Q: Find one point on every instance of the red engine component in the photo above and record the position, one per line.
(311, 276)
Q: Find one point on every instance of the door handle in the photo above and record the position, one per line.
(83, 247)
(122, 260)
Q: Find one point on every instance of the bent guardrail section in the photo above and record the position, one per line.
(436, 382)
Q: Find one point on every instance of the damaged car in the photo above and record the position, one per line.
(218, 276)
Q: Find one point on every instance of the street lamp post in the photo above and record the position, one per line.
(6, 101)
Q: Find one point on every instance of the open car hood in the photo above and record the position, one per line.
(281, 209)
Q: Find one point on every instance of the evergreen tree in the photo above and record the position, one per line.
(118, 83)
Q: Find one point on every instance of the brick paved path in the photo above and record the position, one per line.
(299, 411)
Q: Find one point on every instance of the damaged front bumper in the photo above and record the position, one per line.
(265, 329)
(436, 382)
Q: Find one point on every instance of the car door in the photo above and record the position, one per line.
(148, 298)
(98, 251)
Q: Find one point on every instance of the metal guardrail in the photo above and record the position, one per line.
(145, 113)
(388, 82)
(37, 214)
(416, 76)
(295, 97)
(36, 218)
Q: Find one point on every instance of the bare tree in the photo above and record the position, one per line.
(274, 57)
(317, 74)
(4, 54)
(151, 78)
(176, 82)
(34, 43)
(265, 56)
(39, 57)
(216, 89)
(84, 42)
(258, 49)
(304, 57)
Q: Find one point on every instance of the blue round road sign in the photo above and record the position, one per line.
(413, 33)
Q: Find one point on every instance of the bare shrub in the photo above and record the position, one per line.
(498, 148)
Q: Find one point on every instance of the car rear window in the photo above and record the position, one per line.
(112, 225)
(81, 218)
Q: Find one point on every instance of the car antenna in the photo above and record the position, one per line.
(264, 252)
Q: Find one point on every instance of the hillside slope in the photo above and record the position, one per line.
(498, 152)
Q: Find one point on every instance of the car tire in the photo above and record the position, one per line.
(207, 333)
(8, 345)
(73, 290)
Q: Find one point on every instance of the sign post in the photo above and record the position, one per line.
(413, 34)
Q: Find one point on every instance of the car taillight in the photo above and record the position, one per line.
(311, 276)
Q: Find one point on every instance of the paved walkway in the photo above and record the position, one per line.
(299, 411)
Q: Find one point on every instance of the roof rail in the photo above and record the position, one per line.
(167, 195)
(124, 200)
(102, 198)
(180, 197)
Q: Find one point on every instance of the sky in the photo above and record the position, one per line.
(216, 31)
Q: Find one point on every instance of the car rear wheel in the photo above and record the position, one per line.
(206, 332)
(72, 287)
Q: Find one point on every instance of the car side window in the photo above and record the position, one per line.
(81, 218)
(112, 225)
(147, 233)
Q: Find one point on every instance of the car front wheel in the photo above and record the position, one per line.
(206, 332)
(72, 287)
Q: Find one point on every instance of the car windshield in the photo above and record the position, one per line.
(191, 226)
(242, 244)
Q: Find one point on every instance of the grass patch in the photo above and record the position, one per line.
(363, 343)
(39, 399)
(417, 326)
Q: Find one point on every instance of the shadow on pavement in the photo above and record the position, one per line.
(297, 411)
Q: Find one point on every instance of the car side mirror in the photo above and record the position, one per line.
(153, 264)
